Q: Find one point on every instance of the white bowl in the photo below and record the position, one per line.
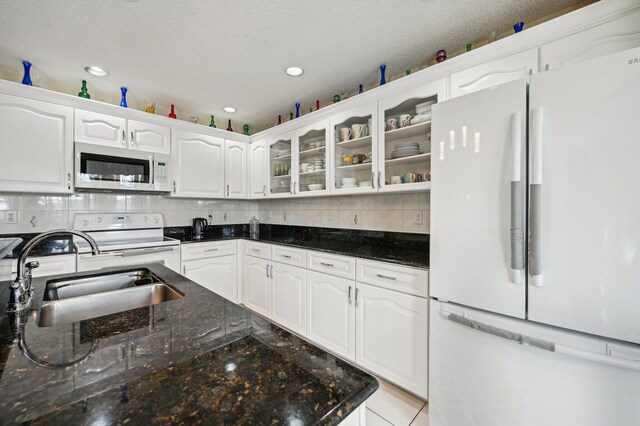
(349, 181)
(316, 187)
(364, 183)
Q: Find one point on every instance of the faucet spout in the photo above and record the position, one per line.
(21, 295)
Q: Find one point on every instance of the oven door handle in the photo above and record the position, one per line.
(140, 252)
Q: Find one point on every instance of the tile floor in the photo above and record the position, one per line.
(390, 405)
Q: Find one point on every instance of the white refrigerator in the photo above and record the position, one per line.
(535, 250)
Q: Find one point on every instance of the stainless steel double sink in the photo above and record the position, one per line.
(72, 300)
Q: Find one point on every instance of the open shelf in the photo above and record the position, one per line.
(420, 129)
(355, 143)
(314, 152)
(414, 158)
(281, 176)
(282, 157)
(317, 172)
(354, 166)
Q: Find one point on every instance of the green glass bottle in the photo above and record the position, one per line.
(83, 92)
(336, 98)
(407, 71)
(213, 122)
(245, 130)
(290, 116)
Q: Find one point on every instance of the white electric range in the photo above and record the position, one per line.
(125, 239)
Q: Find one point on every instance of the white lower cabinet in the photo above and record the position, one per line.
(218, 274)
(289, 296)
(257, 285)
(391, 336)
(331, 313)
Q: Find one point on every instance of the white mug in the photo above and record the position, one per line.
(395, 180)
(357, 130)
(405, 120)
(345, 134)
(392, 124)
(304, 167)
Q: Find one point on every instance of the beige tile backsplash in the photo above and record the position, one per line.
(395, 212)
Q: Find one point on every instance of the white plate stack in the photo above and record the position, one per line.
(405, 149)
(424, 147)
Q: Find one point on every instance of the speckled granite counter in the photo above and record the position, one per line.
(196, 360)
(395, 247)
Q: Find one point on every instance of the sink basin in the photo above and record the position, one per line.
(69, 301)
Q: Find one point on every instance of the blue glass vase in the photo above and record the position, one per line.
(518, 27)
(383, 79)
(27, 73)
(297, 109)
(123, 101)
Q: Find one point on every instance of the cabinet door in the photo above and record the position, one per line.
(101, 129)
(257, 285)
(258, 171)
(311, 147)
(235, 159)
(37, 146)
(331, 313)
(218, 274)
(391, 336)
(149, 137)
(198, 165)
(290, 296)
(613, 36)
(281, 166)
(493, 73)
(404, 149)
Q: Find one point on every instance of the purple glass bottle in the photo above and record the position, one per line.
(229, 128)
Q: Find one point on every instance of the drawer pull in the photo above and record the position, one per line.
(327, 264)
(256, 250)
(212, 249)
(386, 277)
(286, 256)
(349, 296)
(206, 333)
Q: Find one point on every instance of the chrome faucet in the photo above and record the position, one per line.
(21, 295)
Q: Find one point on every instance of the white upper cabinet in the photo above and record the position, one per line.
(37, 146)
(312, 159)
(353, 140)
(258, 174)
(149, 137)
(103, 129)
(281, 166)
(235, 169)
(493, 73)
(610, 37)
(198, 165)
(404, 141)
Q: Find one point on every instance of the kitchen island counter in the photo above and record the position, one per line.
(200, 359)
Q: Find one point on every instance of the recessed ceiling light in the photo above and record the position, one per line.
(294, 71)
(97, 71)
(229, 109)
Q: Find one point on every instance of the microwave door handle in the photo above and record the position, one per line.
(131, 253)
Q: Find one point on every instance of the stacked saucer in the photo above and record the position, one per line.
(424, 147)
(405, 149)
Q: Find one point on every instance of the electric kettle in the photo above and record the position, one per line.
(199, 228)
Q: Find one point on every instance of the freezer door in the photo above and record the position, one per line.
(478, 204)
(482, 379)
(584, 213)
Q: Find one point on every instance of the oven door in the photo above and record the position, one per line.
(103, 167)
(169, 256)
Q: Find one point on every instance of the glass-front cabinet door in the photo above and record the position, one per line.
(404, 145)
(312, 159)
(353, 142)
(281, 166)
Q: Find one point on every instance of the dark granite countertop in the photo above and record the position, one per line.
(57, 244)
(197, 360)
(395, 247)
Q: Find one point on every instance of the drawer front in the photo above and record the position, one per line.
(193, 251)
(394, 277)
(340, 266)
(260, 250)
(290, 256)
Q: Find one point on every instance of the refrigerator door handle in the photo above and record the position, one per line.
(517, 203)
(546, 345)
(535, 200)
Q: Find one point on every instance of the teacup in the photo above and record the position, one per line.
(395, 180)
(426, 177)
(345, 134)
(405, 120)
(392, 124)
(357, 130)
(304, 167)
(409, 177)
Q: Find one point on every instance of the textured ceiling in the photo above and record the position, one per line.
(203, 54)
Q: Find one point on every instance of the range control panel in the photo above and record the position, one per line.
(115, 221)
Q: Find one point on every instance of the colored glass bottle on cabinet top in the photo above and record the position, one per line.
(290, 116)
(383, 78)
(279, 119)
(229, 128)
(518, 27)
(245, 130)
(297, 109)
(83, 91)
(317, 105)
(213, 122)
(172, 114)
(123, 101)
(27, 73)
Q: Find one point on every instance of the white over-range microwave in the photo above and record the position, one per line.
(105, 168)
